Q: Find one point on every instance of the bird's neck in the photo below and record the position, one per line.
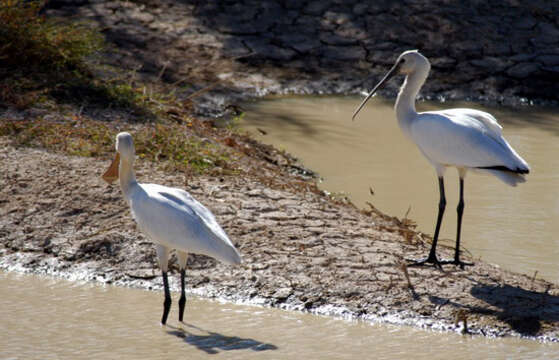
(126, 176)
(405, 103)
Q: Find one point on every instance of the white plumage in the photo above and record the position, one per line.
(171, 218)
(467, 139)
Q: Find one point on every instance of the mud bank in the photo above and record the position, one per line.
(301, 251)
(497, 52)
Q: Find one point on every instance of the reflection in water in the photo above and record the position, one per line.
(513, 227)
(43, 318)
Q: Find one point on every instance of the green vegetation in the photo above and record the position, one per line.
(49, 63)
(38, 55)
(49, 59)
(30, 41)
(168, 144)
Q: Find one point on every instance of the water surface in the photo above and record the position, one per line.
(514, 227)
(45, 318)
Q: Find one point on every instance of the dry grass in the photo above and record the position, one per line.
(50, 59)
(172, 145)
(31, 41)
(48, 63)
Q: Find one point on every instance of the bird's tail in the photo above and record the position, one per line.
(222, 249)
(230, 256)
(508, 177)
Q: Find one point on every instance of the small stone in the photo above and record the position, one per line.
(293, 4)
(496, 48)
(522, 57)
(548, 60)
(386, 45)
(316, 7)
(548, 29)
(545, 39)
(490, 64)
(336, 40)
(523, 70)
(360, 9)
(352, 32)
(344, 53)
(299, 42)
(234, 49)
(551, 69)
(142, 17)
(381, 57)
(466, 49)
(283, 293)
(443, 62)
(113, 5)
(525, 23)
(249, 28)
(337, 18)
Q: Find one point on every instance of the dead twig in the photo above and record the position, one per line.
(202, 90)
(162, 71)
(407, 213)
(533, 280)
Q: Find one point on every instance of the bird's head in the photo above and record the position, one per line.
(408, 62)
(124, 148)
(411, 61)
(125, 145)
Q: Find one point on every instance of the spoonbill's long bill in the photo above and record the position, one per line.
(467, 139)
(171, 218)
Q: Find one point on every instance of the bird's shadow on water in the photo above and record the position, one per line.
(523, 310)
(212, 342)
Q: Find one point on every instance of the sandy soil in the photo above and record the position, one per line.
(301, 250)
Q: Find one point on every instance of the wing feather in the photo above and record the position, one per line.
(464, 138)
(173, 217)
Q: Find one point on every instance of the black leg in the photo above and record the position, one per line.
(167, 302)
(432, 258)
(460, 211)
(182, 300)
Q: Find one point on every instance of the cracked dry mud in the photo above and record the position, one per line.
(300, 249)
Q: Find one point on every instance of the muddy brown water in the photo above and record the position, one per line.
(46, 318)
(513, 227)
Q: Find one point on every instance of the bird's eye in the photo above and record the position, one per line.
(403, 60)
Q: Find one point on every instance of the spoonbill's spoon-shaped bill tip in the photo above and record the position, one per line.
(112, 172)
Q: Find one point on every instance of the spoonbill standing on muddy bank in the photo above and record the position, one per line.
(171, 218)
(467, 139)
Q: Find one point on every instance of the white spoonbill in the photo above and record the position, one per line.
(467, 139)
(171, 218)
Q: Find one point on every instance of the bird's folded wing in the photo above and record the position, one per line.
(456, 138)
(174, 217)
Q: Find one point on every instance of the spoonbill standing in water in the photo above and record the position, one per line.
(467, 139)
(171, 218)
